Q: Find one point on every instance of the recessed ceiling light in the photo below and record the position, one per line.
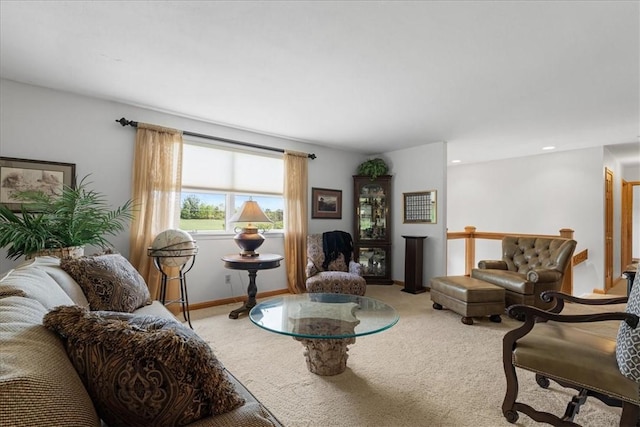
(549, 147)
(456, 161)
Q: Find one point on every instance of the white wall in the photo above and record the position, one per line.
(421, 168)
(631, 172)
(43, 124)
(538, 195)
(616, 168)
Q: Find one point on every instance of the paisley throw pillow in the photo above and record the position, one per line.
(109, 282)
(143, 370)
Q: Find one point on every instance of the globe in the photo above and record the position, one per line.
(173, 247)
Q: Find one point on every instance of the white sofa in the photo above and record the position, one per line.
(38, 383)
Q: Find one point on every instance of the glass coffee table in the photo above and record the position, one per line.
(325, 324)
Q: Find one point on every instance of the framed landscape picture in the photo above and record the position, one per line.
(23, 174)
(326, 203)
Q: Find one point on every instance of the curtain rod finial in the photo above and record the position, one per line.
(125, 122)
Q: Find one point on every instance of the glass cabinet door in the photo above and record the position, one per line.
(372, 212)
(373, 261)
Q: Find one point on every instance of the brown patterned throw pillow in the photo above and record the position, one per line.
(143, 370)
(109, 282)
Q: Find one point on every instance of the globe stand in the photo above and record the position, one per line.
(160, 258)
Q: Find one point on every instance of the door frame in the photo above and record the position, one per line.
(626, 232)
(608, 229)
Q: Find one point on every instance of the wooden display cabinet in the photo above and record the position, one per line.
(372, 234)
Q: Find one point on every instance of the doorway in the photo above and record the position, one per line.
(630, 233)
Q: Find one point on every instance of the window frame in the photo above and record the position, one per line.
(230, 196)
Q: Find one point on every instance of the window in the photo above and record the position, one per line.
(216, 181)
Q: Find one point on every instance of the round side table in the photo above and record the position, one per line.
(252, 265)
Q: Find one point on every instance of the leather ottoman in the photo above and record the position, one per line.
(468, 297)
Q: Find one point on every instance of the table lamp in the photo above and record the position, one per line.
(248, 238)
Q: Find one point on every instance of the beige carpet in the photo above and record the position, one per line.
(427, 370)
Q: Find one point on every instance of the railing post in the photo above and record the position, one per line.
(469, 249)
(567, 281)
(566, 233)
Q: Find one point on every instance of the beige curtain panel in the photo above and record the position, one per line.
(295, 219)
(157, 182)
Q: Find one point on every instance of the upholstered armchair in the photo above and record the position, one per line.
(341, 274)
(584, 351)
(529, 266)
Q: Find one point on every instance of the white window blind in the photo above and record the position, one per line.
(212, 168)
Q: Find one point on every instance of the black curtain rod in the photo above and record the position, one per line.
(125, 122)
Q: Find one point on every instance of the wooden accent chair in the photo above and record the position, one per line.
(601, 362)
(340, 274)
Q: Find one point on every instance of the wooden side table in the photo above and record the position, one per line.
(252, 265)
(413, 264)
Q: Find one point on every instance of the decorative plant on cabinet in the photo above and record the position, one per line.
(373, 168)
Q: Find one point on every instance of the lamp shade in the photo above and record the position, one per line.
(250, 212)
(249, 239)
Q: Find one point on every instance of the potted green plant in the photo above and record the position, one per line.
(72, 219)
(373, 168)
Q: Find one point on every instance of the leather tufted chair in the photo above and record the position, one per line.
(335, 276)
(529, 266)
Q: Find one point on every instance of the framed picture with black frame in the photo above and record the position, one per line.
(23, 174)
(326, 203)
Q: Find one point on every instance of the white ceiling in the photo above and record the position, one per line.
(493, 79)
